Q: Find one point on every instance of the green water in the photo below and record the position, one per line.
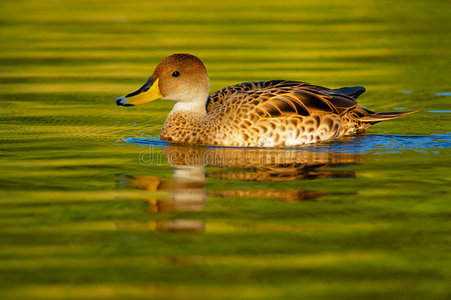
(93, 206)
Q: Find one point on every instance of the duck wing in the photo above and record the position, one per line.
(281, 97)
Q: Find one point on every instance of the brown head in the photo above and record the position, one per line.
(180, 77)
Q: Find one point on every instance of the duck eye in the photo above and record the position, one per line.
(175, 74)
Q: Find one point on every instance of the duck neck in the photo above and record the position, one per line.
(190, 108)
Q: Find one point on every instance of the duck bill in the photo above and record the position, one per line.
(149, 92)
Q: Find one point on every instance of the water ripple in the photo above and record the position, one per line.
(386, 143)
(376, 143)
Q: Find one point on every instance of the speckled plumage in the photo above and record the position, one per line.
(259, 114)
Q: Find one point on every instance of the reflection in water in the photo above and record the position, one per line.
(187, 189)
(187, 194)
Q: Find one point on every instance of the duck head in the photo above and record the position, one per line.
(180, 77)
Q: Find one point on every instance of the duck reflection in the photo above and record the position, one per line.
(187, 191)
(256, 164)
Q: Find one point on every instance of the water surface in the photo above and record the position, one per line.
(94, 206)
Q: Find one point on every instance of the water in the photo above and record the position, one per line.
(94, 206)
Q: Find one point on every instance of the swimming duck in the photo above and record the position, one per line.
(252, 114)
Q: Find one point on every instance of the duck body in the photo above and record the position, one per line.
(266, 114)
(276, 113)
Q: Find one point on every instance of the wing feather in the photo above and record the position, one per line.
(301, 108)
(315, 102)
(284, 105)
(340, 103)
(281, 97)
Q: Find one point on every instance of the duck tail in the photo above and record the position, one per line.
(383, 116)
(353, 91)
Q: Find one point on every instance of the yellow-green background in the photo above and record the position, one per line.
(383, 234)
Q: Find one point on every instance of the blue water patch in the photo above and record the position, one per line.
(386, 143)
(149, 141)
(375, 143)
(439, 111)
(407, 92)
(443, 94)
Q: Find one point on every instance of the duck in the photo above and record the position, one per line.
(272, 113)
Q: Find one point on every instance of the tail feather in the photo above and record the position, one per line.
(383, 116)
(352, 91)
